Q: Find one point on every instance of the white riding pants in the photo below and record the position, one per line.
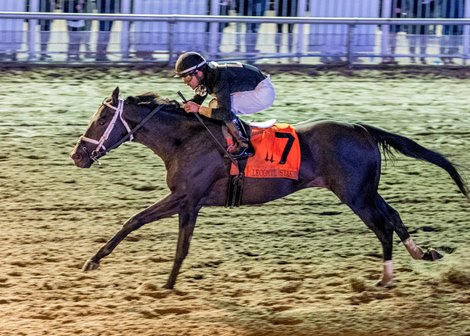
(249, 102)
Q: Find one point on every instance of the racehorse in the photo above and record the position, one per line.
(344, 158)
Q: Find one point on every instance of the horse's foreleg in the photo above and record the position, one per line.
(187, 221)
(131, 225)
(166, 207)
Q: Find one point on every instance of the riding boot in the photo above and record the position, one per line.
(244, 148)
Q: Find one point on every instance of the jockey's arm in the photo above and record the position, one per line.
(221, 106)
(198, 99)
(193, 107)
(205, 111)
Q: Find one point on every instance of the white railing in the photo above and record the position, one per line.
(266, 52)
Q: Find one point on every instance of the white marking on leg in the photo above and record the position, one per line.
(414, 250)
(387, 277)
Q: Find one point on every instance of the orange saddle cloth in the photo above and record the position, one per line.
(277, 153)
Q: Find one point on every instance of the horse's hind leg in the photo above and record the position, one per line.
(414, 250)
(381, 218)
(375, 220)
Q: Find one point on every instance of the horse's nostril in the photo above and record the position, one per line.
(76, 157)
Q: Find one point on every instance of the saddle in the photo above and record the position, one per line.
(246, 130)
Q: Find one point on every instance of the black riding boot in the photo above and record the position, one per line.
(244, 148)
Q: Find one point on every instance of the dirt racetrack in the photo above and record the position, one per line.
(303, 265)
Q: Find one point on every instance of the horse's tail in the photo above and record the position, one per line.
(412, 149)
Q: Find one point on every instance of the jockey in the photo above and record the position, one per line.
(237, 89)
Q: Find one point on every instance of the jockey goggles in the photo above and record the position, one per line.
(190, 71)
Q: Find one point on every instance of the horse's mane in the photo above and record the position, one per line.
(152, 100)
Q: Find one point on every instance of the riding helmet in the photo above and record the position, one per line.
(188, 63)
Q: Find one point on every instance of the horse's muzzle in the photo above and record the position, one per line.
(80, 160)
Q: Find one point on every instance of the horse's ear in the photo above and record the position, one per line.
(115, 96)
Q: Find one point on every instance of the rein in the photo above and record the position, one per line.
(214, 139)
(100, 149)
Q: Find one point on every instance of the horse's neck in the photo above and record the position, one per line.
(167, 133)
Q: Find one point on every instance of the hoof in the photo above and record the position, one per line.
(384, 283)
(431, 255)
(169, 286)
(90, 266)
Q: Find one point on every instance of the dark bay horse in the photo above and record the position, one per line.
(344, 158)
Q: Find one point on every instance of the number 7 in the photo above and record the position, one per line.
(290, 141)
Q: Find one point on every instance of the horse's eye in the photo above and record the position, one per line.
(101, 121)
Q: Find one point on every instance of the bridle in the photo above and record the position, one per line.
(100, 150)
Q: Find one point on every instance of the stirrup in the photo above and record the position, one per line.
(246, 152)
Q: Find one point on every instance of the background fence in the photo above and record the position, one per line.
(328, 31)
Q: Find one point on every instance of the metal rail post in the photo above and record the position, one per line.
(350, 44)
(466, 34)
(214, 31)
(301, 9)
(386, 13)
(125, 25)
(32, 26)
(171, 42)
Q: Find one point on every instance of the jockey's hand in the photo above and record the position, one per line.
(191, 107)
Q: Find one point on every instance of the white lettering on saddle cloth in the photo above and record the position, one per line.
(261, 172)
